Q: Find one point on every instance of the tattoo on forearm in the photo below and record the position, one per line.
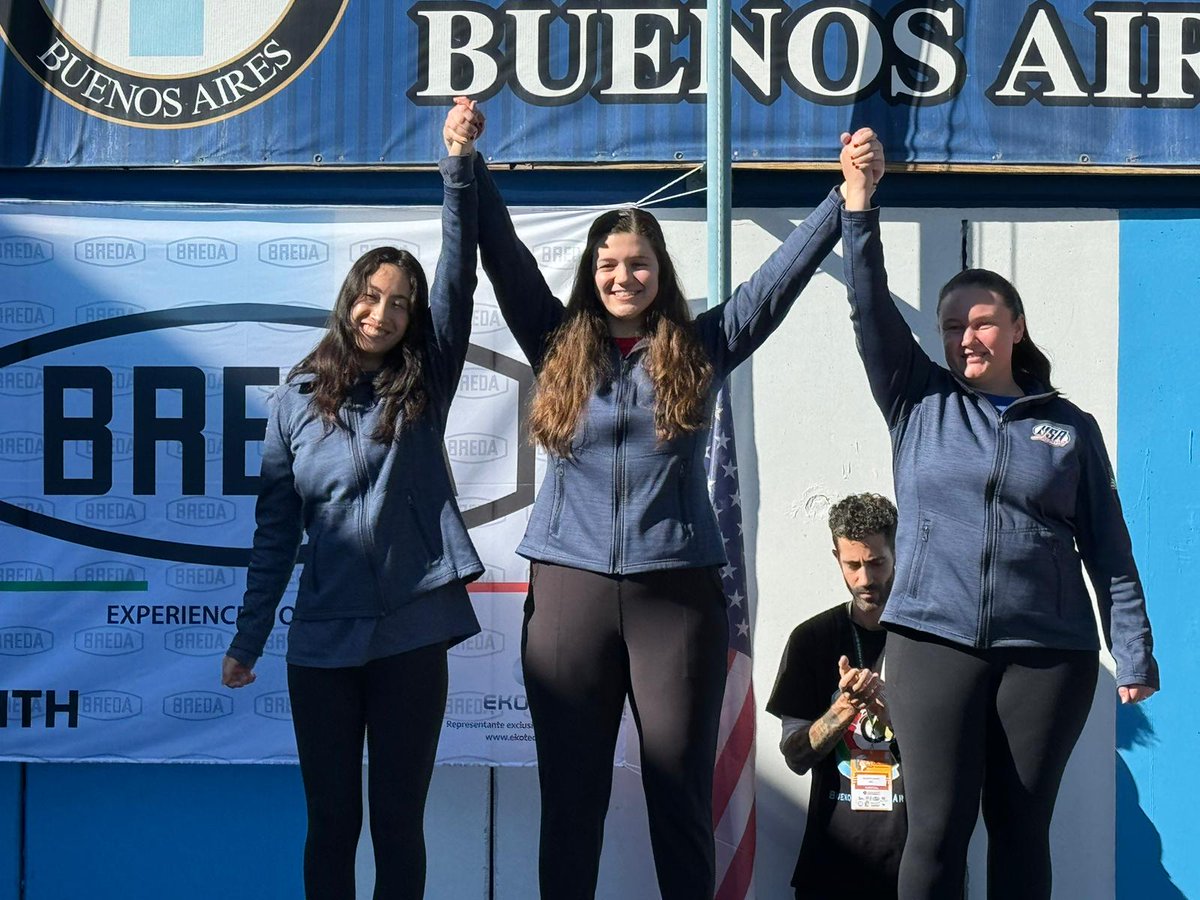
(809, 746)
(827, 731)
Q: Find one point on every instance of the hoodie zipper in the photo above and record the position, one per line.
(360, 470)
(992, 509)
(556, 512)
(622, 422)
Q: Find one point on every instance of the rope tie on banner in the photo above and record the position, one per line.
(649, 201)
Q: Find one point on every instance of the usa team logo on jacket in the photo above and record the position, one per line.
(167, 63)
(1050, 433)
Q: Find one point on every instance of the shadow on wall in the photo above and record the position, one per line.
(1137, 838)
(920, 313)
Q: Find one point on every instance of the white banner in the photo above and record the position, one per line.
(138, 345)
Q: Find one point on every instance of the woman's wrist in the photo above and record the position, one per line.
(855, 198)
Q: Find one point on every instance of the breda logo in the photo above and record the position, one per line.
(476, 447)
(486, 643)
(276, 705)
(194, 578)
(559, 254)
(116, 462)
(202, 252)
(24, 640)
(21, 381)
(105, 309)
(109, 570)
(109, 640)
(21, 250)
(25, 315)
(110, 251)
(293, 252)
(486, 317)
(197, 706)
(167, 63)
(477, 383)
(106, 706)
(358, 248)
(197, 640)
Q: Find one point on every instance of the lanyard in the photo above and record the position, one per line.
(860, 657)
(860, 660)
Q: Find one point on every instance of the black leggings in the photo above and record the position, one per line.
(399, 702)
(589, 641)
(1000, 722)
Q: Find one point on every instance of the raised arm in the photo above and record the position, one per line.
(279, 528)
(735, 329)
(451, 297)
(897, 367)
(530, 310)
(1107, 554)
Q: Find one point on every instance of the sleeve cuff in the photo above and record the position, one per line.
(457, 171)
(860, 215)
(245, 657)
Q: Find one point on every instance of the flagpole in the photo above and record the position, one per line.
(733, 787)
(718, 153)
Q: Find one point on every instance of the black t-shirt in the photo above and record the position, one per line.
(846, 852)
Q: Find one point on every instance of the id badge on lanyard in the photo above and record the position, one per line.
(871, 780)
(870, 770)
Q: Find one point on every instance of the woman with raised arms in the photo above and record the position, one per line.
(1004, 487)
(625, 597)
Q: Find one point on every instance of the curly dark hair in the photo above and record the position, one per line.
(861, 515)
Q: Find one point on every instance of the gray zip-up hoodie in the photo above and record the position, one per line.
(996, 510)
(624, 502)
(383, 526)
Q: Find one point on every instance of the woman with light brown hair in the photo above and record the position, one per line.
(625, 595)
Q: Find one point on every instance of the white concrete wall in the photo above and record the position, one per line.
(808, 433)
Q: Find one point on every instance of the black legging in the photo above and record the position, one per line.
(1002, 722)
(589, 641)
(399, 701)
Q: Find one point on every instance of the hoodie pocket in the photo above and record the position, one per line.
(1027, 588)
(334, 554)
(556, 510)
(913, 584)
(1056, 553)
(685, 510)
(422, 534)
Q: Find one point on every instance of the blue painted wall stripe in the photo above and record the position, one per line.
(1159, 477)
(119, 832)
(10, 829)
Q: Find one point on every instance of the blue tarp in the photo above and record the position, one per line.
(209, 82)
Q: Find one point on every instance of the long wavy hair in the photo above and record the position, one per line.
(1027, 358)
(334, 362)
(578, 358)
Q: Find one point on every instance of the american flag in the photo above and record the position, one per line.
(733, 778)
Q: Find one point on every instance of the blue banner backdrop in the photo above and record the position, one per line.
(221, 82)
(139, 344)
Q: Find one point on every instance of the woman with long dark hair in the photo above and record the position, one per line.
(625, 596)
(1004, 487)
(353, 456)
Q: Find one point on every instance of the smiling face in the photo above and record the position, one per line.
(626, 273)
(979, 332)
(379, 317)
